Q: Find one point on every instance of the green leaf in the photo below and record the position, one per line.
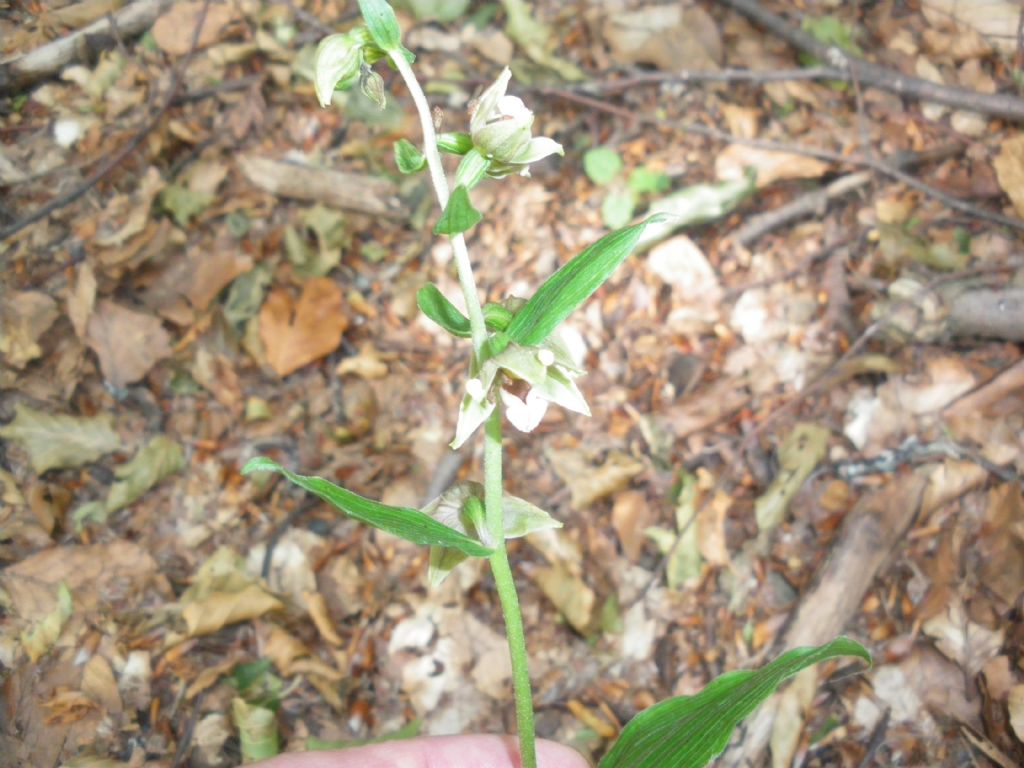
(257, 730)
(434, 305)
(472, 169)
(408, 158)
(688, 731)
(459, 215)
(382, 24)
(696, 204)
(183, 203)
(404, 522)
(55, 440)
(602, 164)
(644, 181)
(572, 285)
(617, 208)
(454, 143)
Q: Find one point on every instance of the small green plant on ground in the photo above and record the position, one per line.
(518, 368)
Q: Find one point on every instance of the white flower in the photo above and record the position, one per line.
(501, 128)
(548, 370)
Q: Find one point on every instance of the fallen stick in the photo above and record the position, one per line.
(992, 314)
(351, 191)
(867, 73)
(870, 533)
(49, 59)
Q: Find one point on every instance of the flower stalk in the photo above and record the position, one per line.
(493, 512)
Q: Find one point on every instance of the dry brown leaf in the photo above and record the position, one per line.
(665, 36)
(209, 614)
(570, 595)
(317, 607)
(732, 163)
(1009, 165)
(588, 483)
(631, 515)
(1000, 545)
(189, 284)
(128, 343)
(98, 684)
(216, 374)
(81, 299)
(711, 536)
(24, 317)
(129, 213)
(1015, 704)
(995, 20)
(296, 334)
(174, 30)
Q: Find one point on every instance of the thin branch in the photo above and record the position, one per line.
(48, 59)
(999, 104)
(103, 169)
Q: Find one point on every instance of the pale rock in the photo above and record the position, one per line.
(969, 123)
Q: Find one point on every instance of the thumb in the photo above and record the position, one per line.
(476, 751)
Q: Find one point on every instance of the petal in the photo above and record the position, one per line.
(524, 415)
(538, 148)
(488, 101)
(472, 413)
(558, 388)
(513, 108)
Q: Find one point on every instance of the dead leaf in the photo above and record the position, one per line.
(159, 458)
(317, 607)
(41, 637)
(81, 299)
(1009, 166)
(1015, 704)
(296, 334)
(98, 684)
(569, 594)
(732, 164)
(588, 483)
(995, 20)
(174, 30)
(630, 516)
(664, 36)
(216, 374)
(210, 614)
(188, 285)
(961, 640)
(128, 343)
(801, 451)
(58, 441)
(24, 317)
(1000, 545)
(129, 213)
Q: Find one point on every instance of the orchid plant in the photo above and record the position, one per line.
(518, 368)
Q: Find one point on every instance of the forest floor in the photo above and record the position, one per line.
(807, 412)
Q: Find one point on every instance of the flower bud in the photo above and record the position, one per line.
(336, 64)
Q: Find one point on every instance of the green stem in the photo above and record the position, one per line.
(506, 587)
(493, 510)
(437, 177)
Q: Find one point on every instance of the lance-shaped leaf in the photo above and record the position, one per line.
(695, 205)
(572, 285)
(459, 215)
(404, 522)
(408, 157)
(688, 731)
(382, 24)
(434, 305)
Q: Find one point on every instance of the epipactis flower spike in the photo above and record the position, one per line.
(501, 127)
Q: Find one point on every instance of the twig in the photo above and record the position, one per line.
(816, 200)
(877, 737)
(120, 154)
(880, 166)
(999, 104)
(48, 59)
(687, 76)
